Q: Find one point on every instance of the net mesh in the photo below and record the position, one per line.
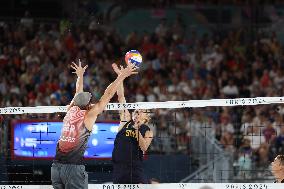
(209, 144)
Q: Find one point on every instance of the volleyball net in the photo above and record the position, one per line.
(196, 141)
(154, 105)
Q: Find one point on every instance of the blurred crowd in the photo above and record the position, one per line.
(35, 70)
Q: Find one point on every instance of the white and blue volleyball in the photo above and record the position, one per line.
(134, 57)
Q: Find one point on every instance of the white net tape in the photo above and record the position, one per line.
(154, 105)
(162, 186)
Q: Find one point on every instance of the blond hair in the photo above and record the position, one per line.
(146, 116)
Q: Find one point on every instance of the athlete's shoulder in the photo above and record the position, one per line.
(128, 123)
(93, 110)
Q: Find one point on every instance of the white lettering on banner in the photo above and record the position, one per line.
(28, 142)
(119, 106)
(11, 110)
(245, 101)
(191, 186)
(162, 186)
(63, 108)
(247, 186)
(40, 128)
(121, 186)
(11, 187)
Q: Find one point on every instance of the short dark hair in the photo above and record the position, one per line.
(85, 107)
(280, 158)
(82, 99)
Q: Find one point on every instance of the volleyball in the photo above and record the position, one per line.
(134, 57)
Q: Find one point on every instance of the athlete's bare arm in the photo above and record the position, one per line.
(144, 142)
(79, 71)
(97, 108)
(124, 114)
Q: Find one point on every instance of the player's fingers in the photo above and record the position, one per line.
(129, 64)
(134, 68)
(80, 63)
(74, 64)
(73, 67)
(114, 65)
(115, 68)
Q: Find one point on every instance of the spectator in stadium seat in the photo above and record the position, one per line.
(255, 136)
(27, 21)
(268, 131)
(227, 140)
(280, 141)
(277, 168)
(230, 90)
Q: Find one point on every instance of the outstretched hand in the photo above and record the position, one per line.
(79, 70)
(129, 70)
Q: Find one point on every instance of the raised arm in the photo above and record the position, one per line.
(124, 114)
(79, 71)
(110, 91)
